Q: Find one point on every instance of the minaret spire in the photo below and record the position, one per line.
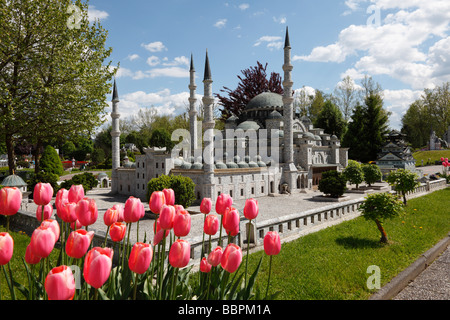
(192, 109)
(115, 134)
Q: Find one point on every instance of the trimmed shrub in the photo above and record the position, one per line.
(87, 179)
(354, 173)
(372, 173)
(182, 186)
(50, 161)
(333, 183)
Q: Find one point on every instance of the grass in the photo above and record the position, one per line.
(331, 263)
(433, 155)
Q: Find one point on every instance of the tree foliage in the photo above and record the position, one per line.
(403, 181)
(253, 81)
(372, 173)
(50, 161)
(330, 119)
(354, 173)
(346, 96)
(333, 183)
(183, 187)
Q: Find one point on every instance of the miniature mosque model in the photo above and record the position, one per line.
(267, 150)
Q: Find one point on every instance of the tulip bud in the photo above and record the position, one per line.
(53, 226)
(231, 221)
(117, 231)
(182, 223)
(86, 211)
(159, 233)
(6, 248)
(119, 209)
(48, 210)
(211, 225)
(76, 193)
(272, 243)
(179, 254)
(30, 257)
(205, 267)
(97, 266)
(133, 210)
(251, 209)
(111, 216)
(10, 200)
(67, 212)
(223, 202)
(231, 258)
(215, 256)
(169, 195)
(157, 200)
(166, 217)
(78, 243)
(43, 193)
(140, 257)
(206, 205)
(43, 241)
(60, 284)
(62, 197)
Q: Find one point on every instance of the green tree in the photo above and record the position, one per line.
(183, 187)
(98, 156)
(379, 207)
(330, 119)
(68, 149)
(354, 173)
(161, 138)
(333, 183)
(50, 161)
(403, 181)
(345, 95)
(316, 105)
(372, 173)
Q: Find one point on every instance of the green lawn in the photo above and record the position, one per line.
(434, 155)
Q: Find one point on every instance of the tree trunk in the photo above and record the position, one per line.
(10, 150)
(404, 197)
(37, 155)
(382, 231)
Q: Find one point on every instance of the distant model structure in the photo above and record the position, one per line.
(269, 149)
(396, 154)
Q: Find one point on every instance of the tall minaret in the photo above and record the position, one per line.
(192, 110)
(115, 132)
(208, 126)
(288, 115)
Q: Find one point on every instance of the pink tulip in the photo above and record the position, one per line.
(211, 225)
(86, 211)
(182, 224)
(97, 266)
(157, 200)
(78, 243)
(169, 195)
(272, 243)
(53, 225)
(117, 231)
(76, 193)
(140, 257)
(76, 225)
(446, 159)
(133, 210)
(223, 202)
(179, 254)
(111, 216)
(251, 209)
(62, 197)
(178, 208)
(231, 221)
(10, 200)
(43, 241)
(60, 284)
(119, 209)
(231, 258)
(442, 158)
(6, 248)
(43, 193)
(215, 256)
(205, 267)
(166, 217)
(48, 210)
(68, 212)
(160, 233)
(30, 257)
(206, 206)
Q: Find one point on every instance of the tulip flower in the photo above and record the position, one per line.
(30, 257)
(169, 195)
(67, 212)
(117, 231)
(140, 257)
(62, 197)
(272, 243)
(215, 256)
(159, 233)
(231, 258)
(78, 243)
(43, 241)
(111, 216)
(157, 200)
(178, 208)
(97, 266)
(179, 254)
(86, 211)
(251, 209)
(48, 210)
(211, 225)
(166, 217)
(10, 200)
(206, 205)
(119, 209)
(43, 193)
(60, 284)
(6, 248)
(205, 267)
(182, 223)
(231, 221)
(76, 193)
(53, 225)
(133, 210)
(442, 158)
(76, 225)
(223, 202)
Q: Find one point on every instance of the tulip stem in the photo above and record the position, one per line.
(268, 280)
(174, 284)
(7, 224)
(220, 233)
(106, 236)
(248, 244)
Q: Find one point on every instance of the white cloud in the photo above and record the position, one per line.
(272, 42)
(177, 61)
(244, 6)
(153, 61)
(94, 14)
(280, 20)
(220, 23)
(173, 72)
(133, 57)
(156, 46)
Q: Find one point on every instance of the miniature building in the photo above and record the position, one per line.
(396, 154)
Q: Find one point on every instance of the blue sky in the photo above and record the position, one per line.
(403, 45)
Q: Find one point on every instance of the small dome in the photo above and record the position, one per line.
(248, 125)
(236, 159)
(261, 164)
(275, 115)
(253, 164)
(305, 119)
(197, 165)
(233, 118)
(309, 135)
(333, 137)
(317, 138)
(129, 165)
(264, 100)
(232, 165)
(13, 181)
(242, 164)
(221, 165)
(102, 175)
(177, 162)
(186, 165)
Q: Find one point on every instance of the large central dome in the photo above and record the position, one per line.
(265, 100)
